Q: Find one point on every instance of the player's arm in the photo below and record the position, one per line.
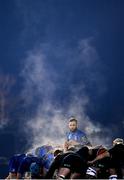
(99, 157)
(66, 142)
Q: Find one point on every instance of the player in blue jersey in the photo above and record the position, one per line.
(25, 165)
(36, 171)
(42, 150)
(47, 160)
(75, 137)
(14, 164)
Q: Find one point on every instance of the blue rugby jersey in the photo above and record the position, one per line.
(15, 162)
(78, 136)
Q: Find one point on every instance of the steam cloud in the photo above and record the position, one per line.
(50, 70)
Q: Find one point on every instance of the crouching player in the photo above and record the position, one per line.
(25, 165)
(70, 164)
(14, 164)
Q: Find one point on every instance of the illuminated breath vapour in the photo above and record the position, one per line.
(49, 122)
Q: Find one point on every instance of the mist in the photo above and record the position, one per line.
(50, 85)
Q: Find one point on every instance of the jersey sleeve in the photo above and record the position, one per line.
(67, 136)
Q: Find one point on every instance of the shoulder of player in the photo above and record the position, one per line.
(81, 132)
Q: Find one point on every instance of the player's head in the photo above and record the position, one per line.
(72, 124)
(57, 152)
(34, 168)
(118, 141)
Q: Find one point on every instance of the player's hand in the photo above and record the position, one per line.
(73, 142)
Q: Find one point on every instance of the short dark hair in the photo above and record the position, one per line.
(57, 151)
(73, 119)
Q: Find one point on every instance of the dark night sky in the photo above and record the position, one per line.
(66, 57)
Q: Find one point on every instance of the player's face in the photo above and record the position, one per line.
(72, 126)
